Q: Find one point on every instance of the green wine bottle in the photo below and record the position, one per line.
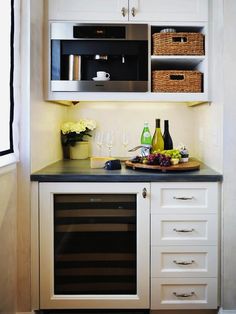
(157, 140)
(146, 140)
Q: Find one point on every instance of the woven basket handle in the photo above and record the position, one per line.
(177, 77)
(179, 39)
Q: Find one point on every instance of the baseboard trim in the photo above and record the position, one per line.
(222, 311)
(25, 312)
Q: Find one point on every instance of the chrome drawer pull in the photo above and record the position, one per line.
(183, 230)
(123, 11)
(183, 198)
(183, 295)
(184, 263)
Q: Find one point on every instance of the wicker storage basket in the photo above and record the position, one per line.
(178, 44)
(176, 81)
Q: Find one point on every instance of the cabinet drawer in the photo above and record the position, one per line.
(184, 261)
(183, 293)
(184, 198)
(183, 230)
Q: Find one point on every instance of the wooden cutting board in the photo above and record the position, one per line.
(184, 166)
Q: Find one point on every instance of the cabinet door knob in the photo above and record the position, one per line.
(123, 11)
(144, 193)
(133, 11)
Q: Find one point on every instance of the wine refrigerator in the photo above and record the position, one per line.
(94, 246)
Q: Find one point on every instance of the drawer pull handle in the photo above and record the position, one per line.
(183, 230)
(183, 198)
(183, 295)
(144, 194)
(184, 263)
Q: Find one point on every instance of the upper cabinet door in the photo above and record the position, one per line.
(168, 10)
(89, 11)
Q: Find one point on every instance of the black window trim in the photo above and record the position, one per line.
(11, 149)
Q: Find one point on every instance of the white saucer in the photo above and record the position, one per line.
(101, 79)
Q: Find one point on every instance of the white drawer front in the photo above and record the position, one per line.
(183, 293)
(184, 261)
(183, 230)
(184, 197)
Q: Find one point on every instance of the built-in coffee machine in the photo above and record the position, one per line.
(98, 58)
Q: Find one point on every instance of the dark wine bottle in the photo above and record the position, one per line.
(168, 143)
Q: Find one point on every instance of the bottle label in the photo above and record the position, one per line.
(146, 134)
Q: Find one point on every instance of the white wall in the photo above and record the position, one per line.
(46, 118)
(8, 239)
(209, 117)
(23, 167)
(130, 116)
(229, 149)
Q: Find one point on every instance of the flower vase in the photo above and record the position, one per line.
(80, 150)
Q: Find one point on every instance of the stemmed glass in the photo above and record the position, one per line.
(109, 141)
(125, 140)
(99, 140)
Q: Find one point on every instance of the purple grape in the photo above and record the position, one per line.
(153, 159)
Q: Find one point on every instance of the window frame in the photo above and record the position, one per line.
(7, 156)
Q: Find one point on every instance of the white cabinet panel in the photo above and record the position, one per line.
(83, 10)
(168, 10)
(184, 293)
(184, 198)
(184, 245)
(183, 230)
(199, 261)
(132, 10)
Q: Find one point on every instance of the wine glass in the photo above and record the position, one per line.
(125, 140)
(109, 141)
(99, 140)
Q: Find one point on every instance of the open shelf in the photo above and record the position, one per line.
(176, 61)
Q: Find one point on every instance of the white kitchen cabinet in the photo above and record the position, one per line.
(89, 11)
(179, 260)
(128, 10)
(184, 245)
(168, 10)
(184, 229)
(184, 293)
(94, 245)
(183, 15)
(185, 198)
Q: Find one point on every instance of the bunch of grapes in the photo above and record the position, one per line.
(164, 160)
(158, 159)
(153, 159)
(173, 153)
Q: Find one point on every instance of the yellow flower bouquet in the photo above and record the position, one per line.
(72, 132)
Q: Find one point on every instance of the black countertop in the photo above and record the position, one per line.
(80, 171)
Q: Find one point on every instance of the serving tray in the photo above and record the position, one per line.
(184, 166)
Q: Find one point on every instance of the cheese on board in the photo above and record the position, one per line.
(99, 162)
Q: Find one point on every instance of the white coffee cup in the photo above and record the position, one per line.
(102, 75)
